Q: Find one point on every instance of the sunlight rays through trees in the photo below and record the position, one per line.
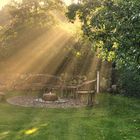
(55, 49)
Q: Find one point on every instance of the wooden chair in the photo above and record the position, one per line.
(87, 91)
(87, 88)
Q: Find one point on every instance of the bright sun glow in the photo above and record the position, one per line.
(68, 2)
(4, 2)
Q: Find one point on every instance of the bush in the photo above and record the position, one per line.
(129, 83)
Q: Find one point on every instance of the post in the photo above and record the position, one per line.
(98, 81)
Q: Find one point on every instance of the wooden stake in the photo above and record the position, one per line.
(98, 81)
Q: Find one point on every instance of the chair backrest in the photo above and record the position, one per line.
(87, 85)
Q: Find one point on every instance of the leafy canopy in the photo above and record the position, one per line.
(113, 27)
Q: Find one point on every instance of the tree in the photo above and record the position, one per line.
(113, 27)
(31, 16)
(35, 13)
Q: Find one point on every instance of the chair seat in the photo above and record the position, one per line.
(85, 91)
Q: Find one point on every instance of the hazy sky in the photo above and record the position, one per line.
(3, 2)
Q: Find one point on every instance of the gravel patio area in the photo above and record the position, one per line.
(26, 101)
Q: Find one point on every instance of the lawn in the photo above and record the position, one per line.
(114, 118)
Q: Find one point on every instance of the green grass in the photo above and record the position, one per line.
(114, 118)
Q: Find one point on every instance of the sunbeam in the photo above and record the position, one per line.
(48, 53)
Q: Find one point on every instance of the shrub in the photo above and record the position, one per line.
(129, 82)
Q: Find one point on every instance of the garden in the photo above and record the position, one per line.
(69, 70)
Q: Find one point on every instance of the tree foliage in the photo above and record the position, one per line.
(113, 27)
(33, 12)
(31, 17)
